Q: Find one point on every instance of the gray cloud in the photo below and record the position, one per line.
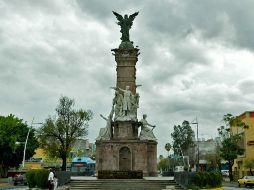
(196, 59)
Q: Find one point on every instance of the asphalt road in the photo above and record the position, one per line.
(236, 187)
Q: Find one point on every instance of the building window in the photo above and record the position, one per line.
(250, 143)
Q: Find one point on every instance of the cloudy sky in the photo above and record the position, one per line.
(196, 59)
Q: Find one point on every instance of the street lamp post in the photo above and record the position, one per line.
(24, 152)
(196, 123)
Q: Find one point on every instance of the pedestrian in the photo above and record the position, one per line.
(51, 180)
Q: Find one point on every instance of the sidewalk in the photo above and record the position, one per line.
(26, 188)
(230, 184)
(4, 184)
(145, 178)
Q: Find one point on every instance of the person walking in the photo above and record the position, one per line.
(51, 180)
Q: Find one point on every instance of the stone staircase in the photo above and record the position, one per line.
(124, 184)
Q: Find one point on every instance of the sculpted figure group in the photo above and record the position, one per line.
(126, 105)
(124, 108)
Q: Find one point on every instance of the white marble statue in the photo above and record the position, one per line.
(105, 133)
(118, 104)
(134, 105)
(126, 99)
(146, 133)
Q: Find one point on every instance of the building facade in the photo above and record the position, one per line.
(246, 142)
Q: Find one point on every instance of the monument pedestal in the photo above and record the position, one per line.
(127, 155)
(125, 129)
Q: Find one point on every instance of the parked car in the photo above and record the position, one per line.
(225, 173)
(19, 179)
(246, 180)
(179, 168)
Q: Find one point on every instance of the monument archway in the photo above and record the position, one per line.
(124, 159)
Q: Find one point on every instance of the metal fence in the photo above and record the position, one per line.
(184, 178)
(63, 177)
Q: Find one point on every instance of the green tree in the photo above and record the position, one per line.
(229, 151)
(214, 161)
(12, 130)
(163, 164)
(161, 157)
(93, 156)
(250, 165)
(230, 148)
(234, 121)
(60, 132)
(168, 147)
(183, 136)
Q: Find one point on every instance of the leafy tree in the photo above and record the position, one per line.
(183, 142)
(161, 157)
(214, 161)
(93, 156)
(60, 132)
(250, 165)
(229, 151)
(163, 164)
(12, 130)
(168, 147)
(230, 148)
(234, 121)
(183, 136)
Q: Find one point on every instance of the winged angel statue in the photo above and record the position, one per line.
(125, 23)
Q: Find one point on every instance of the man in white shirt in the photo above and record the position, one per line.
(51, 180)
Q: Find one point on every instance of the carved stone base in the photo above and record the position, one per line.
(128, 155)
(126, 45)
(125, 129)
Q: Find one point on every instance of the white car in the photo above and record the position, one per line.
(179, 168)
(225, 173)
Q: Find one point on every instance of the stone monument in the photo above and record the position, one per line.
(119, 147)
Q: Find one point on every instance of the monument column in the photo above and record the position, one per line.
(126, 60)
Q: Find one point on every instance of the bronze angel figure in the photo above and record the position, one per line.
(125, 23)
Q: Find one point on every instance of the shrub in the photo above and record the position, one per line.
(218, 179)
(41, 178)
(207, 179)
(37, 178)
(30, 177)
(213, 179)
(196, 179)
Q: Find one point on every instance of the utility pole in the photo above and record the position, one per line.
(196, 123)
(24, 152)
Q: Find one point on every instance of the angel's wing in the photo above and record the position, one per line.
(118, 16)
(132, 17)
